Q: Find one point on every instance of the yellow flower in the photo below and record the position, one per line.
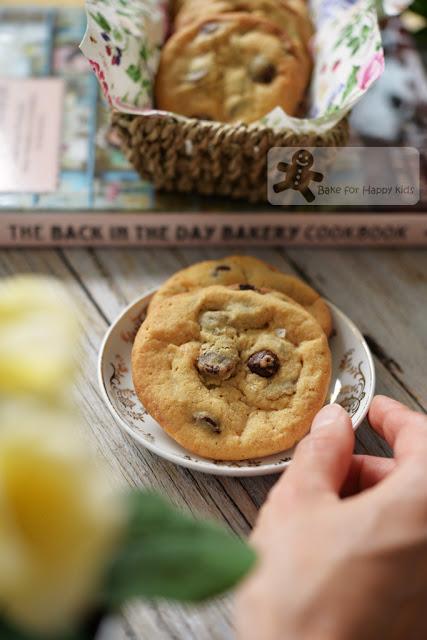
(59, 522)
(38, 335)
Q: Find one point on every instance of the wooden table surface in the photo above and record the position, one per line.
(384, 292)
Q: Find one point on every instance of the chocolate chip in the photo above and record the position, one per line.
(205, 420)
(220, 267)
(244, 287)
(264, 363)
(262, 71)
(209, 27)
(247, 287)
(212, 363)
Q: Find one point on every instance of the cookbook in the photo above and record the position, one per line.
(65, 181)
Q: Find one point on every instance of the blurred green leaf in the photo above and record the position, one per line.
(421, 42)
(167, 554)
(419, 6)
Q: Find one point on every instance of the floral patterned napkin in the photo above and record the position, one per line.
(124, 39)
(122, 42)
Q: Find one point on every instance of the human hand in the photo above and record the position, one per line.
(342, 539)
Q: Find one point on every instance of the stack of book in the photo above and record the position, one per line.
(65, 182)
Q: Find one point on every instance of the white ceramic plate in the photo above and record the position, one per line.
(352, 386)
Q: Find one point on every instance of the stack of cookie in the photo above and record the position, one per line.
(235, 60)
(233, 358)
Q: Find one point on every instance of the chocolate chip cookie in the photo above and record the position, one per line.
(289, 15)
(246, 271)
(232, 68)
(231, 374)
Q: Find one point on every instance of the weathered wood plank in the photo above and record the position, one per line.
(172, 622)
(133, 465)
(385, 293)
(113, 629)
(103, 282)
(199, 493)
(133, 272)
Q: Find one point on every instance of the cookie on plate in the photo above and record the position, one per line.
(231, 374)
(231, 68)
(246, 271)
(290, 15)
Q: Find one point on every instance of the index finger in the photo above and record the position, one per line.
(405, 488)
(404, 430)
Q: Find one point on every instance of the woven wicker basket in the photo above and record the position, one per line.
(209, 158)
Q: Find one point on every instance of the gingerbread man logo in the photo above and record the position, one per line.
(299, 175)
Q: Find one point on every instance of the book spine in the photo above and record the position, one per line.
(20, 230)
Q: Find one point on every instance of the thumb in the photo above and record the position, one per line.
(322, 460)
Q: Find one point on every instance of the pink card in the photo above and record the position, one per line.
(30, 134)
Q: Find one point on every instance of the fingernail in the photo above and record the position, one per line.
(327, 416)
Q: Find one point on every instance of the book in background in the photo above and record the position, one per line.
(95, 177)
